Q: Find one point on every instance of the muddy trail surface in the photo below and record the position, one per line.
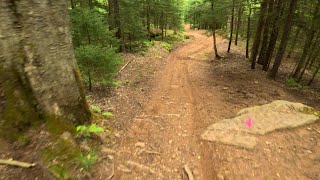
(162, 139)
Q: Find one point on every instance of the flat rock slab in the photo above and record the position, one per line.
(266, 118)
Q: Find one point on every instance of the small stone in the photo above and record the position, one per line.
(199, 157)
(196, 172)
(110, 157)
(117, 135)
(176, 170)
(140, 144)
(170, 141)
(309, 129)
(229, 159)
(308, 151)
(311, 139)
(256, 82)
(268, 143)
(107, 150)
(220, 177)
(225, 88)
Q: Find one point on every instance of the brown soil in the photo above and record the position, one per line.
(166, 102)
(161, 114)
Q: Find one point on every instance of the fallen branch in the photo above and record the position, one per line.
(124, 67)
(143, 167)
(16, 163)
(189, 173)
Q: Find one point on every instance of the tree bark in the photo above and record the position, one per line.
(238, 24)
(284, 39)
(308, 42)
(39, 77)
(274, 35)
(256, 43)
(248, 30)
(310, 56)
(295, 39)
(265, 39)
(314, 74)
(231, 26)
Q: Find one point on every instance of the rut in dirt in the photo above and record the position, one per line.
(166, 136)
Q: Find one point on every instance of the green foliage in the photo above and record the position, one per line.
(311, 111)
(88, 159)
(89, 27)
(97, 63)
(95, 109)
(62, 158)
(107, 114)
(167, 46)
(292, 83)
(86, 131)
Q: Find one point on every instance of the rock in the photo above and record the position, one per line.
(225, 88)
(68, 137)
(266, 118)
(140, 144)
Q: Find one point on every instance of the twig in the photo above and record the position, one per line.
(189, 173)
(124, 67)
(16, 163)
(316, 130)
(111, 176)
(143, 167)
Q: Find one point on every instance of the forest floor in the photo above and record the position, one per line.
(168, 101)
(164, 104)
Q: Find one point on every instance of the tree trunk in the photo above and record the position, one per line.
(295, 39)
(265, 39)
(148, 9)
(308, 42)
(312, 51)
(248, 30)
(111, 15)
(72, 4)
(231, 25)
(238, 24)
(274, 35)
(314, 74)
(284, 39)
(39, 78)
(257, 39)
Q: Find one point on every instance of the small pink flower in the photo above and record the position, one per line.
(249, 123)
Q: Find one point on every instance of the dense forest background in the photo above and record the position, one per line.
(270, 30)
(102, 29)
(274, 30)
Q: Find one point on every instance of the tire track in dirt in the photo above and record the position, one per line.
(166, 136)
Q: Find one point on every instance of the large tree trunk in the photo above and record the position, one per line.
(274, 35)
(308, 42)
(39, 79)
(231, 25)
(284, 39)
(257, 39)
(265, 39)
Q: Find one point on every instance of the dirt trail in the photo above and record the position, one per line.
(188, 95)
(169, 126)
